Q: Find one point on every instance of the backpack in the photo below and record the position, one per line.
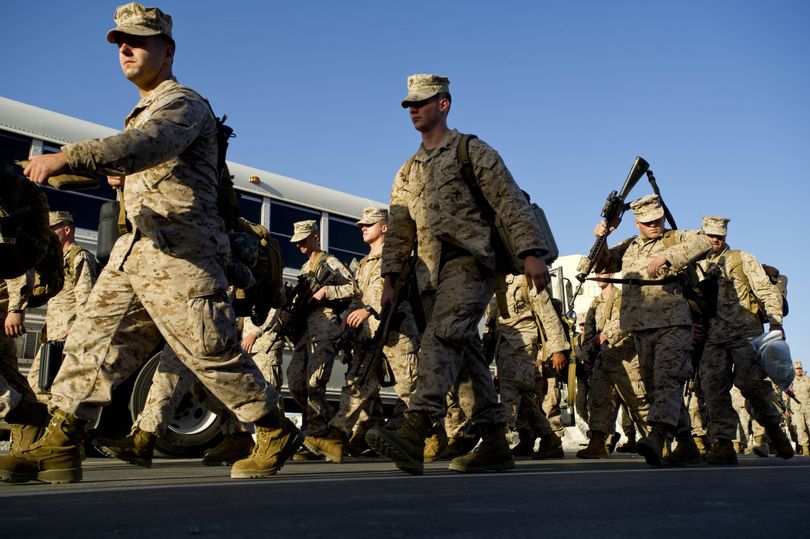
(266, 264)
(49, 274)
(754, 303)
(24, 231)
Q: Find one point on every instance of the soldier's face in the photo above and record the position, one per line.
(143, 58)
(718, 242)
(308, 245)
(427, 114)
(62, 231)
(651, 229)
(372, 233)
(799, 372)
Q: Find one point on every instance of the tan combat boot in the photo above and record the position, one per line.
(491, 455)
(404, 445)
(760, 447)
(55, 458)
(805, 450)
(737, 446)
(722, 452)
(330, 446)
(550, 448)
(435, 444)
(461, 445)
(277, 439)
(136, 448)
(26, 420)
(651, 446)
(686, 452)
(596, 447)
(700, 444)
(781, 443)
(233, 447)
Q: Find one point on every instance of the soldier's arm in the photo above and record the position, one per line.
(613, 330)
(692, 245)
(609, 260)
(762, 288)
(19, 291)
(552, 326)
(344, 287)
(170, 130)
(401, 230)
(589, 332)
(85, 277)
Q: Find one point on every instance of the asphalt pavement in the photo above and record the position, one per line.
(567, 498)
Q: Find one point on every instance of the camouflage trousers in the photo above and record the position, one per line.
(450, 353)
(717, 376)
(616, 379)
(697, 411)
(626, 421)
(514, 356)
(665, 360)
(550, 396)
(356, 400)
(801, 421)
(13, 386)
(154, 297)
(309, 372)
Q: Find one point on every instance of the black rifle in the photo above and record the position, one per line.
(612, 213)
(390, 319)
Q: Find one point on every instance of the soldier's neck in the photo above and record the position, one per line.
(313, 254)
(376, 246)
(433, 138)
(607, 290)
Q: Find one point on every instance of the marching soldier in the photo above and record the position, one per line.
(801, 417)
(657, 315)
(165, 279)
(431, 203)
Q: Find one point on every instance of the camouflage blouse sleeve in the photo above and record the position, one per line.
(19, 291)
(86, 273)
(613, 331)
(609, 260)
(401, 229)
(506, 198)
(762, 288)
(344, 281)
(178, 120)
(552, 326)
(691, 245)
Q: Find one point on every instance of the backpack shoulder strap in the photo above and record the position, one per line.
(406, 170)
(670, 239)
(70, 261)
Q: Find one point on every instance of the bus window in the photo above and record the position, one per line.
(250, 208)
(282, 218)
(13, 148)
(346, 240)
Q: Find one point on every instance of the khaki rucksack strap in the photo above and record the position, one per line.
(600, 324)
(122, 212)
(70, 262)
(500, 295)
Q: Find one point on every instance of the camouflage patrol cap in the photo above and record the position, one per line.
(56, 217)
(135, 20)
(373, 215)
(302, 229)
(647, 209)
(424, 86)
(716, 226)
(797, 364)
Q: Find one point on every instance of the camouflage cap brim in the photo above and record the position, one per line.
(140, 31)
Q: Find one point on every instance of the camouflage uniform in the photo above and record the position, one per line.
(727, 343)
(14, 295)
(314, 352)
(64, 306)
(616, 375)
(658, 318)
(165, 279)
(519, 345)
(433, 205)
(399, 351)
(267, 349)
(801, 417)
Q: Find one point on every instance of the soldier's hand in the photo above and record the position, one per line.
(387, 293)
(14, 324)
(319, 296)
(598, 340)
(357, 317)
(248, 341)
(655, 266)
(601, 229)
(536, 272)
(777, 327)
(42, 167)
(558, 361)
(116, 182)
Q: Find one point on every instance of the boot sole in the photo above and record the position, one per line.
(500, 467)
(327, 456)
(66, 475)
(143, 463)
(284, 455)
(16, 477)
(723, 462)
(592, 457)
(649, 455)
(380, 443)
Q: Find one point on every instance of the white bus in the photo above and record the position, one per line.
(270, 199)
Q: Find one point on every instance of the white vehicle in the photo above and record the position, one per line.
(270, 199)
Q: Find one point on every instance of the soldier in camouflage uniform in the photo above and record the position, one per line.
(655, 312)
(431, 203)
(518, 350)
(616, 376)
(363, 317)
(81, 271)
(314, 351)
(727, 355)
(801, 417)
(165, 279)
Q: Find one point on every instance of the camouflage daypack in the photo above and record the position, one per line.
(49, 274)
(256, 249)
(24, 230)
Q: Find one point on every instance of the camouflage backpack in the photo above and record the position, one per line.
(24, 230)
(49, 274)
(777, 280)
(254, 247)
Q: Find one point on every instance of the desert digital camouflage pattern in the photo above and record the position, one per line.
(14, 295)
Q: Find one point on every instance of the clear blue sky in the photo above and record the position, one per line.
(713, 94)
